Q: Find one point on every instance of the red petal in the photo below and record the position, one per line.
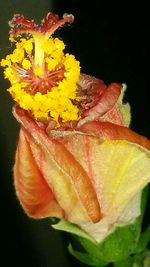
(104, 101)
(107, 101)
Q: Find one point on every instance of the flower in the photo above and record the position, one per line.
(76, 157)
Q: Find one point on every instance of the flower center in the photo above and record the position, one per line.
(40, 83)
(43, 78)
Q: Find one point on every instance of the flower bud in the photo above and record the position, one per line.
(91, 174)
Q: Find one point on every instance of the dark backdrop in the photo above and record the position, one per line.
(111, 42)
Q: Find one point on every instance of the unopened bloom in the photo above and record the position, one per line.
(76, 157)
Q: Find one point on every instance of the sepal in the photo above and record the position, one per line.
(72, 228)
(116, 247)
(86, 258)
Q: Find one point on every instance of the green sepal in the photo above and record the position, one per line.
(116, 247)
(72, 229)
(128, 262)
(86, 258)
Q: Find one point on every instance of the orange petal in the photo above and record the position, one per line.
(61, 185)
(63, 173)
(110, 131)
(34, 194)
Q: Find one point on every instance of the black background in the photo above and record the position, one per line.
(111, 42)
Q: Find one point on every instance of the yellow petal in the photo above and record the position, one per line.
(121, 170)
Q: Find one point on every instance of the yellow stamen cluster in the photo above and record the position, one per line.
(25, 67)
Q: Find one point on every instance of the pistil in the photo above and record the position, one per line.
(38, 52)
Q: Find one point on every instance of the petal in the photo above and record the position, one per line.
(107, 101)
(34, 194)
(110, 131)
(121, 170)
(121, 163)
(108, 224)
(69, 181)
(115, 167)
(120, 113)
